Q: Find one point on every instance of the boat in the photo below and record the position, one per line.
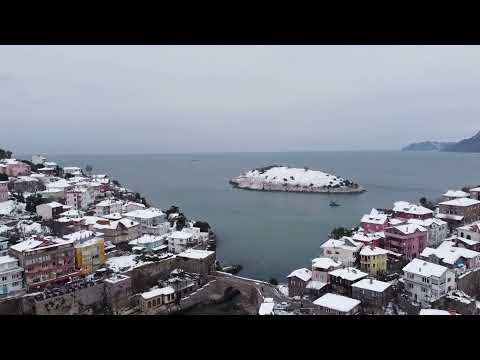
(333, 203)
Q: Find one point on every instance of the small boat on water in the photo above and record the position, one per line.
(333, 203)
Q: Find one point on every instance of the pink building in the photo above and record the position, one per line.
(3, 191)
(406, 239)
(374, 222)
(405, 210)
(12, 167)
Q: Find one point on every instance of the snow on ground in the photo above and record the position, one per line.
(7, 207)
(283, 289)
(124, 263)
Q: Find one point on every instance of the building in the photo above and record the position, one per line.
(156, 299)
(89, 251)
(369, 238)
(459, 212)
(3, 246)
(72, 170)
(437, 230)
(266, 307)
(470, 231)
(320, 278)
(341, 280)
(197, 261)
(405, 210)
(132, 206)
(465, 243)
(3, 191)
(373, 294)
(14, 168)
(333, 304)
(80, 197)
(45, 260)
(458, 259)
(108, 206)
(149, 242)
(475, 193)
(49, 211)
(406, 239)
(297, 281)
(152, 220)
(434, 312)
(373, 260)
(455, 194)
(11, 277)
(119, 231)
(23, 184)
(38, 159)
(426, 282)
(374, 222)
(344, 250)
(179, 241)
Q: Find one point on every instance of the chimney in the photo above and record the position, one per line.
(371, 281)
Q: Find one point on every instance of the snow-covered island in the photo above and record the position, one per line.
(283, 178)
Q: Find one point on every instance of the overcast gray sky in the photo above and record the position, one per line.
(156, 99)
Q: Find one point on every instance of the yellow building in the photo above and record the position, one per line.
(373, 260)
(90, 255)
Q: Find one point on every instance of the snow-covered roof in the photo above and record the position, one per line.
(80, 235)
(406, 207)
(325, 263)
(344, 243)
(449, 216)
(7, 259)
(113, 216)
(54, 204)
(433, 312)
(372, 251)
(114, 224)
(465, 240)
(72, 213)
(475, 226)
(461, 202)
(424, 268)
(363, 237)
(109, 202)
(157, 292)
(145, 213)
(196, 254)
(374, 218)
(408, 229)
(147, 239)
(395, 221)
(303, 274)
(449, 253)
(456, 194)
(348, 273)
(372, 284)
(34, 244)
(180, 235)
(427, 223)
(337, 302)
(316, 285)
(124, 263)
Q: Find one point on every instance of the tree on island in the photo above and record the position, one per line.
(116, 183)
(139, 198)
(33, 167)
(172, 210)
(427, 203)
(3, 177)
(340, 232)
(180, 221)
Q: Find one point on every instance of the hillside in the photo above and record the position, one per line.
(466, 145)
(427, 146)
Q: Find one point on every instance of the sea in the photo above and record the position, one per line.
(272, 233)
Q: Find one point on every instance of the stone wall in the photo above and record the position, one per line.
(11, 306)
(470, 283)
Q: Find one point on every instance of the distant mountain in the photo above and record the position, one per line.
(466, 145)
(428, 146)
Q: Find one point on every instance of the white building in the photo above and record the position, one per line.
(437, 230)
(80, 198)
(470, 231)
(320, 268)
(344, 250)
(72, 170)
(50, 210)
(426, 282)
(38, 159)
(179, 241)
(108, 206)
(198, 236)
(132, 206)
(152, 220)
(3, 246)
(333, 304)
(266, 308)
(11, 276)
(455, 194)
(3, 191)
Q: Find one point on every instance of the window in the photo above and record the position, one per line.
(149, 304)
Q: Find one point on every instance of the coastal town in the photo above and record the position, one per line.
(75, 242)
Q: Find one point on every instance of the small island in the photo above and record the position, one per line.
(283, 178)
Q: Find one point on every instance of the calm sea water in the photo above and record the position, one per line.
(271, 234)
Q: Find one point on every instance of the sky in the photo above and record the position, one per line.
(182, 99)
